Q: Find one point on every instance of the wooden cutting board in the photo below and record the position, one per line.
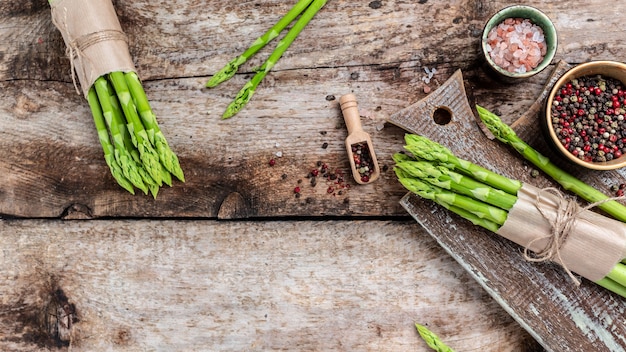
(540, 296)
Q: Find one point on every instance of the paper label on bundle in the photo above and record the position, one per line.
(592, 247)
(95, 42)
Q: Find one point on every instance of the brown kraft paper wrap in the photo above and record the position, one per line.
(591, 249)
(94, 38)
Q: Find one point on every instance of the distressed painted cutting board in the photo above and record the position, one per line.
(540, 296)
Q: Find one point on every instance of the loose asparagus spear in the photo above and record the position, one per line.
(166, 155)
(149, 156)
(123, 157)
(432, 340)
(231, 68)
(424, 148)
(244, 95)
(441, 176)
(505, 134)
(103, 136)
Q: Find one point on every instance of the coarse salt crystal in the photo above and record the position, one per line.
(517, 45)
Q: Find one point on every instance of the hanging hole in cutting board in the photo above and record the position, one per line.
(442, 115)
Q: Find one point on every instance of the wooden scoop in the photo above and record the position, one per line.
(358, 143)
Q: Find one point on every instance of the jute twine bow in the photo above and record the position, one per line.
(565, 219)
(76, 47)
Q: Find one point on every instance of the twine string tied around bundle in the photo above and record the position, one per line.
(77, 46)
(562, 224)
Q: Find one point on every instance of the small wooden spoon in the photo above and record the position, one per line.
(358, 143)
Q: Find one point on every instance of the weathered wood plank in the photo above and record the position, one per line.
(241, 286)
(193, 38)
(73, 171)
(381, 56)
(61, 164)
(295, 113)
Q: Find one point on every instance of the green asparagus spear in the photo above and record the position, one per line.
(478, 221)
(123, 157)
(401, 157)
(423, 148)
(168, 159)
(474, 219)
(505, 134)
(447, 198)
(443, 177)
(249, 88)
(433, 341)
(134, 153)
(149, 156)
(612, 286)
(105, 141)
(618, 274)
(231, 68)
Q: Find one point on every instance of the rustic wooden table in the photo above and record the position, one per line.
(232, 260)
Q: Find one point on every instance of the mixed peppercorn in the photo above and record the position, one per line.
(619, 189)
(363, 160)
(588, 118)
(334, 178)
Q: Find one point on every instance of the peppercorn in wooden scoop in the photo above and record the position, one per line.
(358, 143)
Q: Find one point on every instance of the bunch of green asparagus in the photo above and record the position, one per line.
(134, 146)
(479, 195)
(308, 9)
(135, 149)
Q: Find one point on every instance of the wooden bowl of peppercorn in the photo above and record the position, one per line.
(585, 115)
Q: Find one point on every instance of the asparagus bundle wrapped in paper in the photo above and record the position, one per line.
(540, 220)
(134, 146)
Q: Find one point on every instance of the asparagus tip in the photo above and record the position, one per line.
(224, 74)
(154, 190)
(432, 340)
(234, 108)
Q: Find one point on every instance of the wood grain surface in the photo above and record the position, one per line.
(232, 286)
(377, 51)
(231, 259)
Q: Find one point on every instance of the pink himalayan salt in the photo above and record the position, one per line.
(516, 45)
